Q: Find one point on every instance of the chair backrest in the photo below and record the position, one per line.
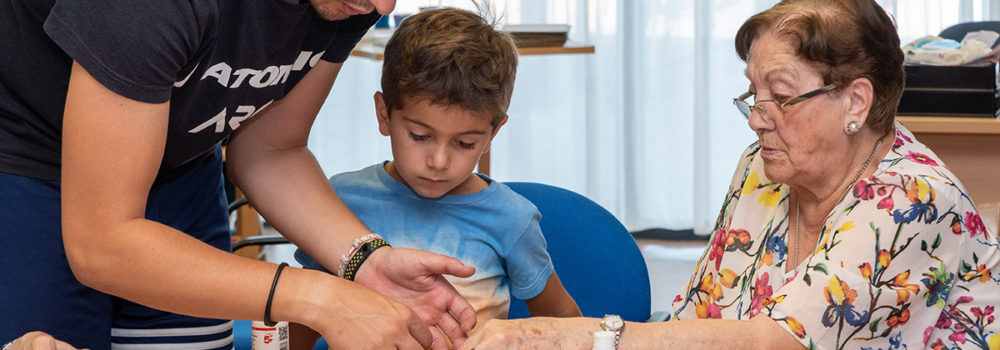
(594, 255)
(957, 32)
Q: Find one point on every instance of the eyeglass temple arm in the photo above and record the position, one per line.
(743, 96)
(810, 94)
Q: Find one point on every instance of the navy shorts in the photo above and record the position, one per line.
(39, 293)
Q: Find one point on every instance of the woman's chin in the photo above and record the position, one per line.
(777, 172)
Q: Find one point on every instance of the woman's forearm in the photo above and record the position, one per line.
(577, 333)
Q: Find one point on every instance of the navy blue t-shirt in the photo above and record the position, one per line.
(217, 61)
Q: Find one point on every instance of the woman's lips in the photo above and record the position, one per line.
(769, 152)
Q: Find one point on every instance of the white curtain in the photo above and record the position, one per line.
(644, 126)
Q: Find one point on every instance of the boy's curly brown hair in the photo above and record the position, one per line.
(450, 56)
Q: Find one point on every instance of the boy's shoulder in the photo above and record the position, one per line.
(501, 209)
(511, 199)
(510, 207)
(364, 176)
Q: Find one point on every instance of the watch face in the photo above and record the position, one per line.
(613, 322)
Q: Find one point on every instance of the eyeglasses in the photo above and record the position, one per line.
(746, 108)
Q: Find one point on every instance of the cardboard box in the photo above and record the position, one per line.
(952, 77)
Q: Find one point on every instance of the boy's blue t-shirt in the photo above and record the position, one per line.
(494, 230)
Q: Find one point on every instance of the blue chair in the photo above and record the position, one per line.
(594, 255)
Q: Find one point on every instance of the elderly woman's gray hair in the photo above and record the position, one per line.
(850, 38)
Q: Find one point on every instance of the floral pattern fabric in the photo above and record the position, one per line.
(903, 262)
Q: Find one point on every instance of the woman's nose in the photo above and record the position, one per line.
(758, 120)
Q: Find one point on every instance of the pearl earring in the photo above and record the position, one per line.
(852, 128)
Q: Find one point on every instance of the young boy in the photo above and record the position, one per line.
(447, 80)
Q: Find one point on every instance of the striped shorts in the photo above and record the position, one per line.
(38, 291)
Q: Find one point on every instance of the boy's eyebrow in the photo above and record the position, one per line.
(470, 132)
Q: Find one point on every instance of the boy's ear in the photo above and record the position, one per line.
(382, 113)
(494, 133)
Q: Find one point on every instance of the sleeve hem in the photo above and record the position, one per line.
(540, 280)
(73, 46)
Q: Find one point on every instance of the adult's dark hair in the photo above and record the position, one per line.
(850, 38)
(450, 56)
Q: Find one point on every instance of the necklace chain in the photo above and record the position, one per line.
(798, 205)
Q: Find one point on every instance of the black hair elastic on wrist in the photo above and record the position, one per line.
(270, 296)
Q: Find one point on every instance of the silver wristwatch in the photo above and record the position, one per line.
(614, 324)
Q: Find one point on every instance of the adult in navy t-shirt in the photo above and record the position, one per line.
(112, 210)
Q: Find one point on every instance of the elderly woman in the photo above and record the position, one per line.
(840, 229)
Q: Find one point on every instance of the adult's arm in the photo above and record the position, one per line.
(112, 148)
(553, 301)
(760, 332)
(268, 158)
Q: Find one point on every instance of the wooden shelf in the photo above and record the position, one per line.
(951, 125)
(571, 47)
(369, 50)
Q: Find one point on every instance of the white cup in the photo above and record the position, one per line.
(263, 337)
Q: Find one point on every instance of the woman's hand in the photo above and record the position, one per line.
(535, 333)
(413, 277)
(39, 341)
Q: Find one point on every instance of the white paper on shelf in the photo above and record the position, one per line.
(536, 28)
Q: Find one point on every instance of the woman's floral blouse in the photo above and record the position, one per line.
(903, 262)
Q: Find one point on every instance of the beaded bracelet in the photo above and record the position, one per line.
(361, 248)
(344, 259)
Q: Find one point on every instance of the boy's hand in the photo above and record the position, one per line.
(413, 277)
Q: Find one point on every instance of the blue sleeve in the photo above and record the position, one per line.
(307, 261)
(528, 263)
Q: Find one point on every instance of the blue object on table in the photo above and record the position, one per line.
(241, 335)
(594, 255)
(383, 22)
(397, 19)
